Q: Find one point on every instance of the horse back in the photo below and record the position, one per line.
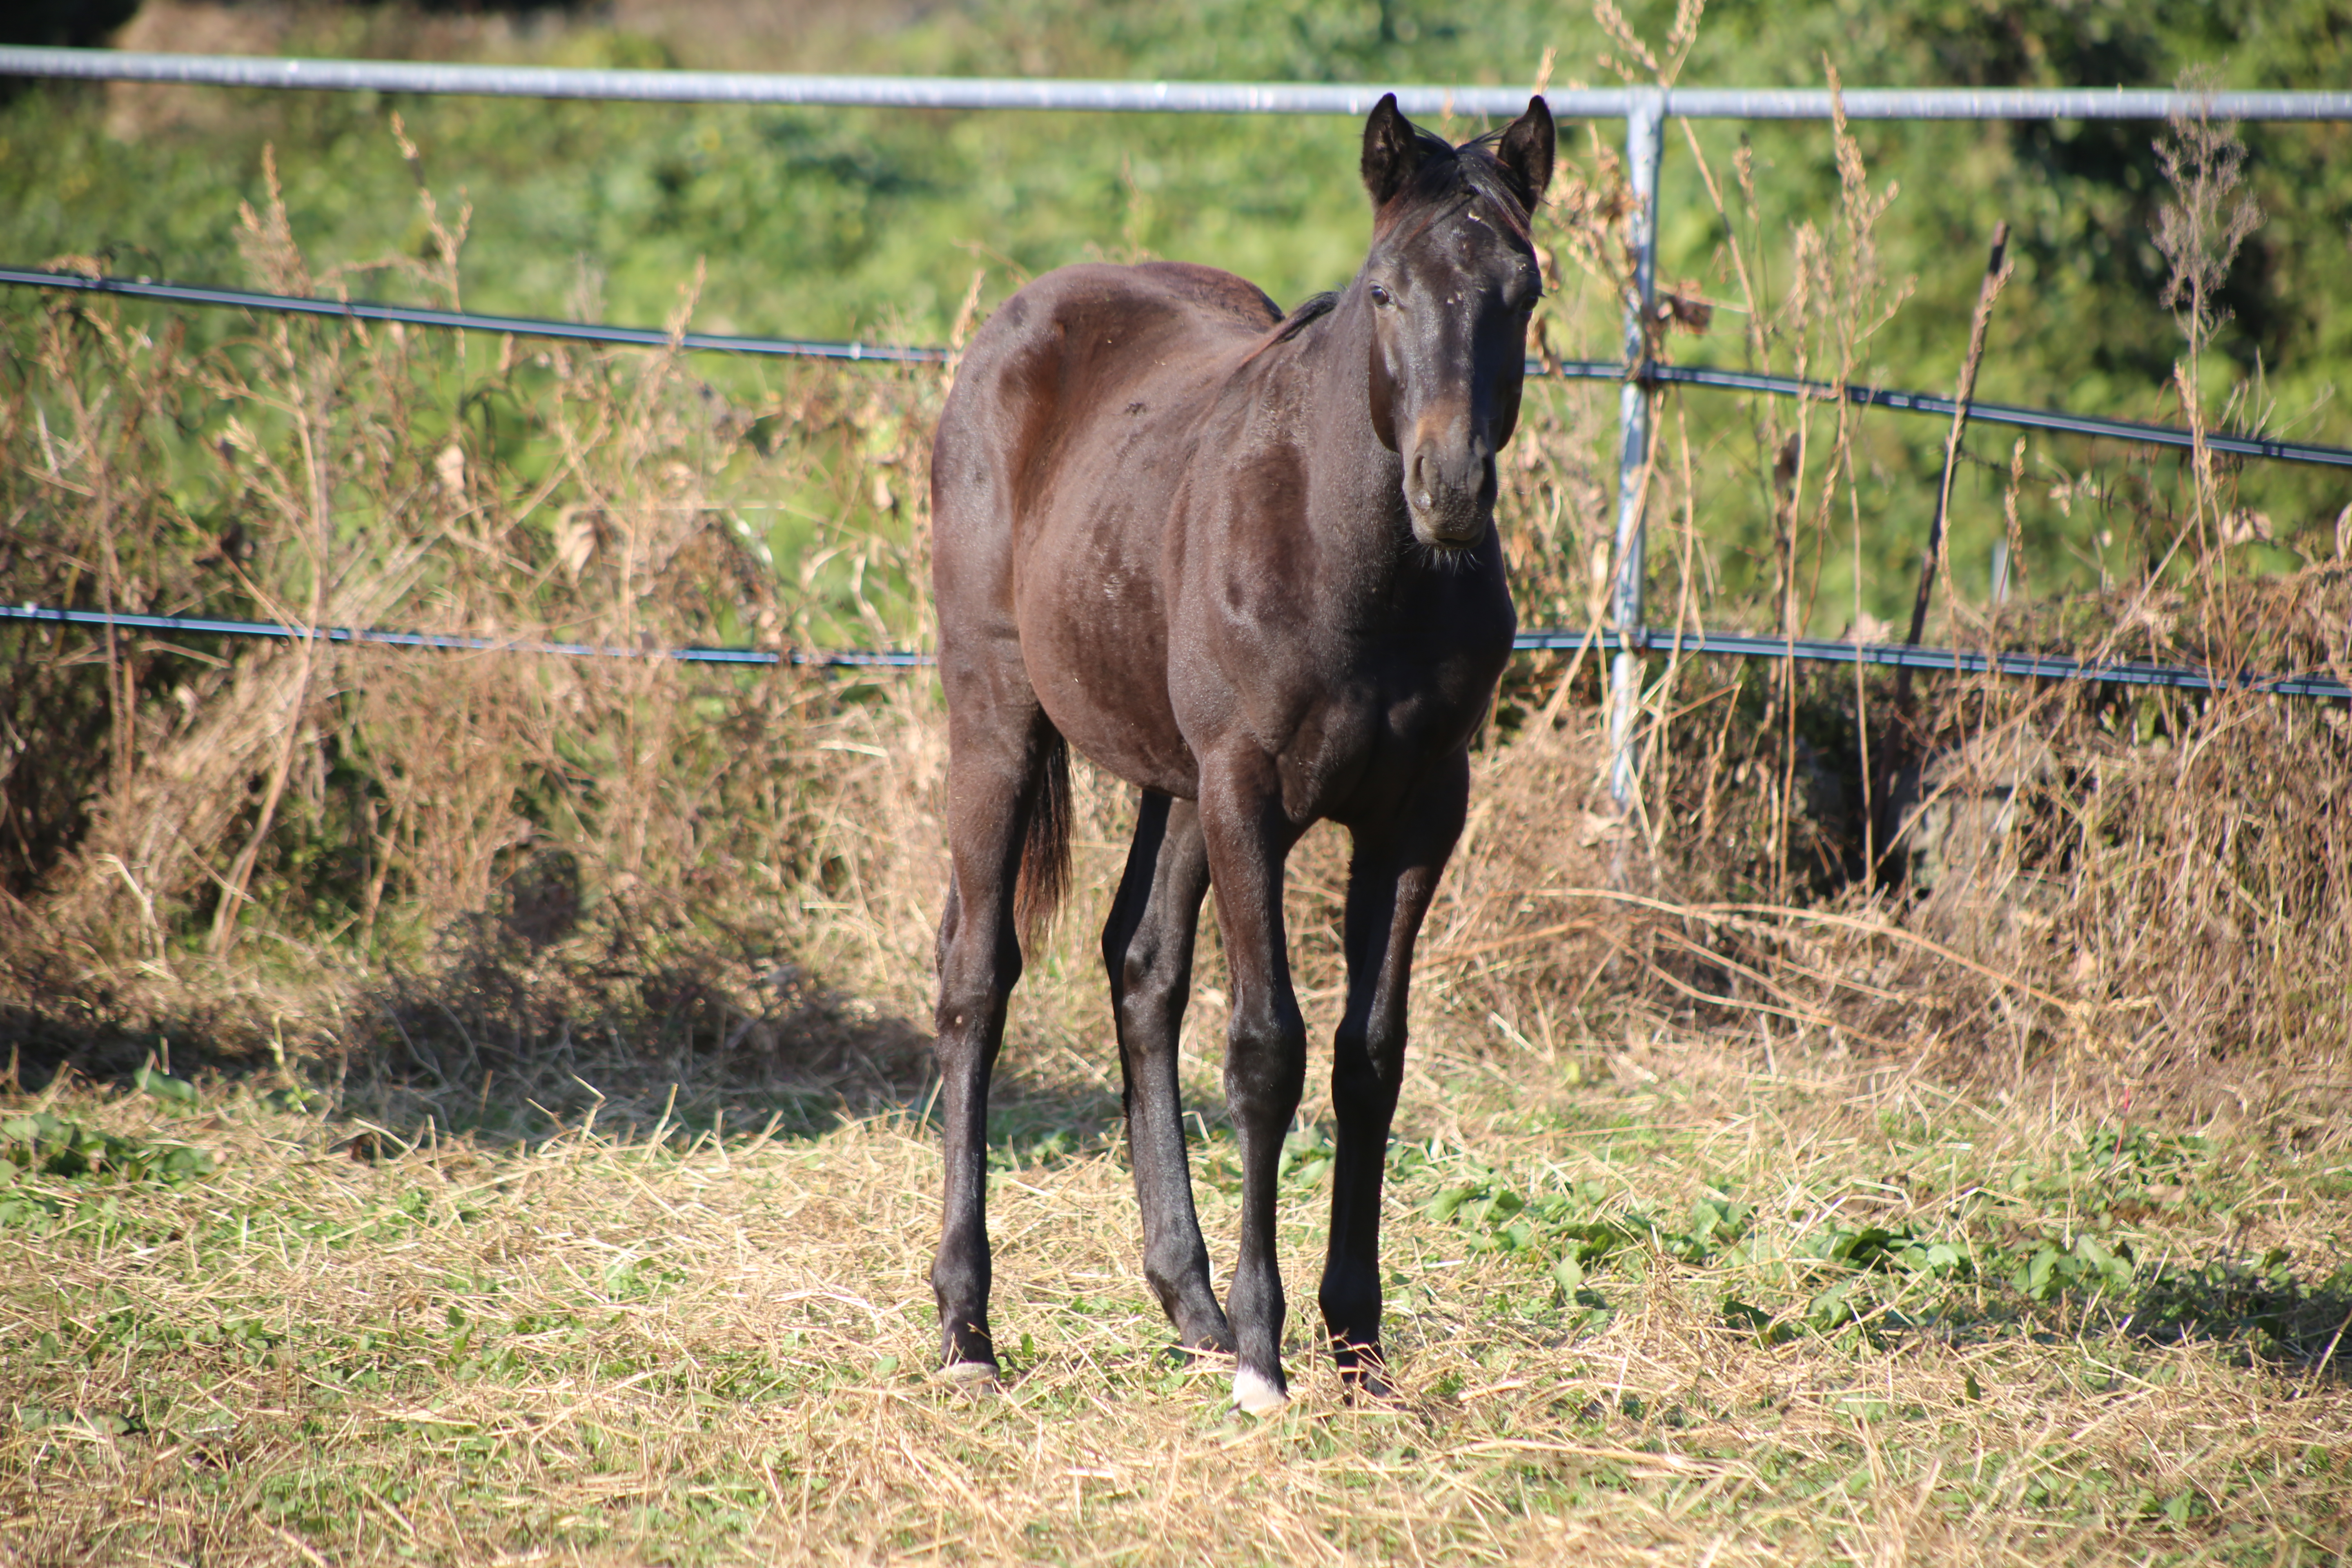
(1064, 363)
(1057, 470)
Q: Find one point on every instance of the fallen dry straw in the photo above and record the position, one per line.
(712, 1348)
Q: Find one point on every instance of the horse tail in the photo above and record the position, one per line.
(1046, 853)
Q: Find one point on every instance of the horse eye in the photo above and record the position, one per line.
(1380, 295)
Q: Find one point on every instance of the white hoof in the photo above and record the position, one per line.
(973, 1376)
(1257, 1395)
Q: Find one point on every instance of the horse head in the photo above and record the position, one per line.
(1451, 279)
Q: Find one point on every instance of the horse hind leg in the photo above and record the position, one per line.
(1147, 946)
(998, 775)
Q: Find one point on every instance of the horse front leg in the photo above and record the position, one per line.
(1148, 947)
(994, 777)
(1248, 838)
(1391, 880)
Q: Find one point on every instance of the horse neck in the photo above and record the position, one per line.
(1355, 484)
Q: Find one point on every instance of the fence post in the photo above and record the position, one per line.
(1645, 119)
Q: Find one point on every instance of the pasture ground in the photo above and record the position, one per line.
(1651, 1299)
(515, 1199)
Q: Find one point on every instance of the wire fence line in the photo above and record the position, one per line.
(424, 77)
(452, 642)
(2051, 419)
(1644, 110)
(1690, 643)
(466, 320)
(1712, 376)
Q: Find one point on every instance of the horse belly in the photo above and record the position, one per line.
(1093, 626)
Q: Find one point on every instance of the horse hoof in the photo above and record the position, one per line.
(972, 1376)
(1257, 1395)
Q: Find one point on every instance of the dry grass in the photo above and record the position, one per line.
(646, 1344)
(347, 802)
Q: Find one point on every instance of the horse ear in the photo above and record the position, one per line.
(1526, 151)
(1392, 150)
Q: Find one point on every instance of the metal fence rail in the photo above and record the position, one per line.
(2051, 419)
(1721, 644)
(1150, 97)
(912, 353)
(464, 321)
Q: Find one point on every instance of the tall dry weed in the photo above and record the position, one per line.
(351, 807)
(2138, 892)
(551, 866)
(2172, 864)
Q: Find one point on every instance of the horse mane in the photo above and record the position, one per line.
(1314, 308)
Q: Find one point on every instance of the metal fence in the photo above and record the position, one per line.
(1644, 110)
(1154, 97)
(1730, 645)
(1715, 376)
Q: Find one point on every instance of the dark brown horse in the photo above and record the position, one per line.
(1248, 563)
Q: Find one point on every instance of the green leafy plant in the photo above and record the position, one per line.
(2060, 1266)
(47, 1145)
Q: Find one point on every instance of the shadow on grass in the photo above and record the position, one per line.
(511, 1035)
(516, 1025)
(2251, 1312)
(2257, 1309)
(53, 1021)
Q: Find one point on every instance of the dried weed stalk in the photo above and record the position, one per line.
(556, 869)
(357, 806)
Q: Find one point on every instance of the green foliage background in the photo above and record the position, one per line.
(866, 223)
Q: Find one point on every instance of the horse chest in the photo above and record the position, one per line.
(1366, 744)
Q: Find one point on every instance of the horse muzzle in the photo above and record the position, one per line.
(1449, 489)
